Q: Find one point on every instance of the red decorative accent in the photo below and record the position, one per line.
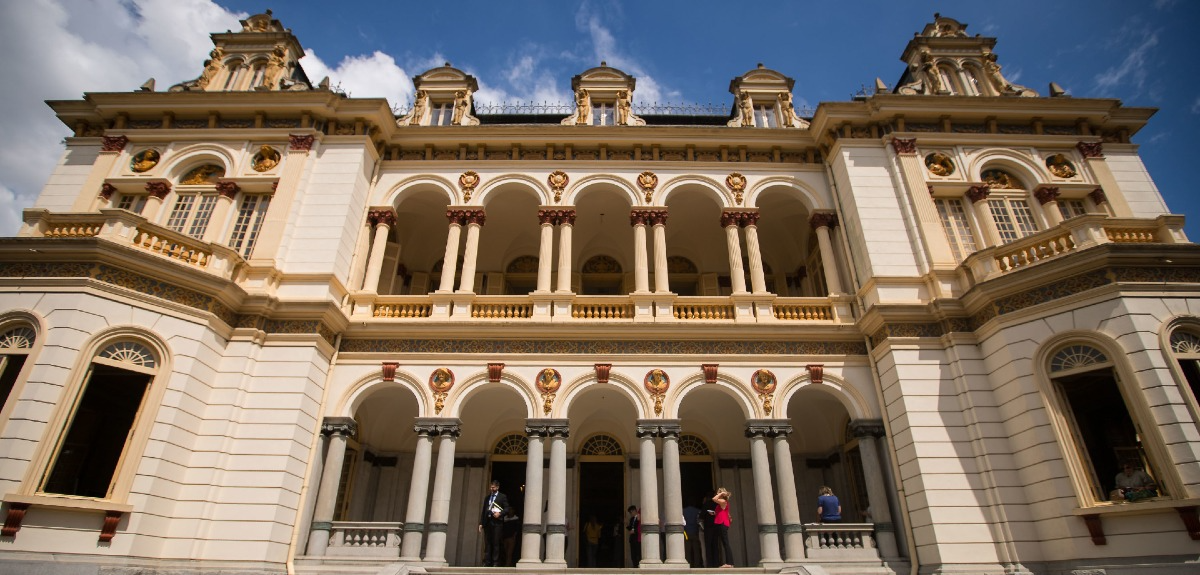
(475, 217)
(641, 217)
(389, 370)
(1046, 194)
(300, 143)
(749, 219)
(1098, 196)
(567, 217)
(556, 217)
(12, 522)
(602, 370)
(710, 372)
(729, 219)
(494, 371)
(823, 220)
(107, 190)
(658, 217)
(441, 380)
(228, 188)
(275, 185)
(657, 382)
(547, 217)
(111, 519)
(739, 218)
(930, 188)
(386, 217)
(978, 193)
(158, 188)
(113, 143)
(816, 372)
(1095, 529)
(456, 216)
(905, 145)
(1091, 149)
(1190, 521)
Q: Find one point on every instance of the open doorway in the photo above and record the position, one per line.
(511, 475)
(602, 494)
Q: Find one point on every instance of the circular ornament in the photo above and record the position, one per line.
(144, 160)
(763, 381)
(657, 382)
(939, 164)
(441, 380)
(549, 380)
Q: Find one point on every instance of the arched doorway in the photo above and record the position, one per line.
(601, 497)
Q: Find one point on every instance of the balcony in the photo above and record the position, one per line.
(1071, 236)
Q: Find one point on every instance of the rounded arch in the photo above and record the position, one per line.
(802, 191)
(1020, 165)
(523, 181)
(403, 189)
(22, 331)
(571, 390)
(1177, 351)
(856, 405)
(715, 190)
(726, 384)
(189, 157)
(470, 385)
(601, 444)
(362, 388)
(588, 183)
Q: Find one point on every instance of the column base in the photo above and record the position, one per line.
(528, 564)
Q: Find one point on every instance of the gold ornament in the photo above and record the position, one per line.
(558, 181)
(648, 181)
(467, 181)
(657, 383)
(737, 184)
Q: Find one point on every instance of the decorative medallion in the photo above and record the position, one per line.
(939, 164)
(467, 181)
(558, 181)
(1000, 180)
(1060, 166)
(266, 159)
(206, 174)
(657, 383)
(144, 160)
(440, 382)
(548, 382)
(764, 384)
(648, 181)
(737, 184)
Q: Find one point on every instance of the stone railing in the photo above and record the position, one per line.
(173, 245)
(854, 541)
(703, 309)
(364, 539)
(601, 307)
(803, 309)
(402, 307)
(501, 307)
(1070, 236)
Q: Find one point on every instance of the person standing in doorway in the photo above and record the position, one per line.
(829, 509)
(591, 535)
(512, 527)
(722, 521)
(491, 524)
(691, 534)
(707, 515)
(634, 528)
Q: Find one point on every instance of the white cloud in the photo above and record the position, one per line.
(58, 49)
(604, 48)
(373, 76)
(1196, 106)
(1131, 72)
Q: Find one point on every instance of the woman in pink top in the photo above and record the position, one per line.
(721, 521)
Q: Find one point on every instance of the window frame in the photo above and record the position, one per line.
(10, 322)
(1005, 198)
(250, 234)
(1189, 324)
(441, 113)
(958, 251)
(602, 111)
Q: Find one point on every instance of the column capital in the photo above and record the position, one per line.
(905, 145)
(107, 190)
(463, 216)
(823, 219)
(1046, 194)
(1097, 196)
(658, 428)
(1091, 149)
(556, 216)
(339, 426)
(300, 142)
(158, 188)
(548, 427)
(641, 217)
(228, 188)
(451, 426)
(978, 193)
(740, 217)
(867, 428)
(385, 216)
(768, 428)
(113, 143)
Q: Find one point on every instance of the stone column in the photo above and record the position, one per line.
(868, 431)
(418, 490)
(1093, 155)
(821, 222)
(545, 249)
(337, 429)
(226, 191)
(450, 260)
(647, 429)
(111, 148)
(475, 219)
(382, 221)
(362, 249)
(157, 191)
(566, 226)
(977, 195)
(531, 519)
(662, 284)
(672, 495)
(556, 513)
(785, 481)
(439, 512)
(768, 530)
(641, 272)
(1047, 196)
(758, 278)
(733, 245)
(270, 235)
(914, 175)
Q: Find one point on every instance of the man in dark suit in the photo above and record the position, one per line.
(491, 524)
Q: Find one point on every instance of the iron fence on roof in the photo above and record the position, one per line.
(639, 108)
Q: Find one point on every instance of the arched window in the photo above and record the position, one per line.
(1009, 205)
(98, 431)
(949, 79)
(972, 82)
(1100, 421)
(15, 345)
(1185, 346)
(602, 275)
(512, 444)
(195, 200)
(601, 445)
(233, 73)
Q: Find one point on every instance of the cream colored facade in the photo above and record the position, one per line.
(253, 325)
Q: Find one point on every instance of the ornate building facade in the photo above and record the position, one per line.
(253, 325)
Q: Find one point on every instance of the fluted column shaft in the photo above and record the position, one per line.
(450, 260)
(733, 245)
(382, 222)
(662, 282)
(641, 272)
(566, 226)
(789, 507)
(545, 251)
(531, 528)
(556, 514)
(418, 489)
(673, 496)
(648, 492)
(821, 223)
(764, 499)
(439, 512)
(475, 221)
(758, 279)
(337, 429)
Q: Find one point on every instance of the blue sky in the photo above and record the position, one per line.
(1143, 53)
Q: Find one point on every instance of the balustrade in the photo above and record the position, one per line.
(364, 539)
(818, 309)
(606, 308)
(840, 541)
(506, 307)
